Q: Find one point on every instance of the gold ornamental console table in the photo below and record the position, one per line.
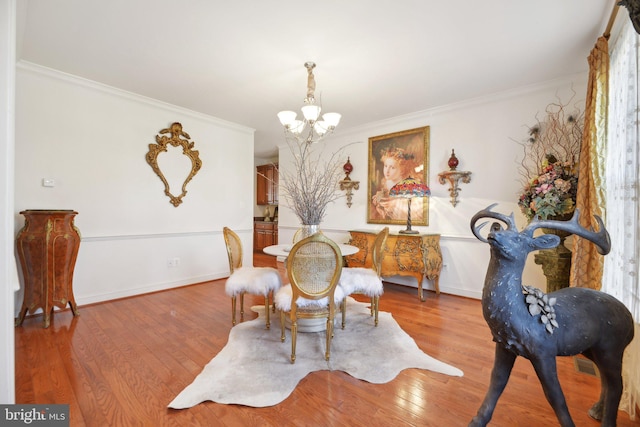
(415, 255)
(47, 248)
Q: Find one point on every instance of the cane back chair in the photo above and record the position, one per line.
(313, 265)
(253, 280)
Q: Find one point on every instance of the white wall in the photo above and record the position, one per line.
(482, 132)
(92, 140)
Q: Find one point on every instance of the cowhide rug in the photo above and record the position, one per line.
(254, 368)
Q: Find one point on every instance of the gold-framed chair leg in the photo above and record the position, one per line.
(294, 336)
(282, 325)
(376, 301)
(343, 308)
(373, 305)
(233, 310)
(327, 354)
(273, 299)
(266, 310)
(242, 306)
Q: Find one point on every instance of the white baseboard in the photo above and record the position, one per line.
(134, 291)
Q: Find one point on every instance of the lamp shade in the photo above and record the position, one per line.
(320, 127)
(332, 119)
(287, 117)
(311, 112)
(297, 126)
(409, 188)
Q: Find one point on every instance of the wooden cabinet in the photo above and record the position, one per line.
(47, 248)
(267, 185)
(415, 255)
(264, 234)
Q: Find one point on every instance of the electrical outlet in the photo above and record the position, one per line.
(173, 262)
(445, 266)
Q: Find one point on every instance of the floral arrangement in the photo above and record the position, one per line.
(553, 192)
(549, 164)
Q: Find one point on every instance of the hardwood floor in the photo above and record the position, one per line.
(121, 362)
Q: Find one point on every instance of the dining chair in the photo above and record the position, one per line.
(253, 280)
(297, 236)
(366, 280)
(313, 265)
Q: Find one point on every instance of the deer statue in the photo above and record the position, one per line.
(526, 322)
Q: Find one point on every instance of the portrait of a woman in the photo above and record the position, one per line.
(393, 158)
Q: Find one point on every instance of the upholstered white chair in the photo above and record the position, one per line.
(366, 280)
(253, 280)
(313, 266)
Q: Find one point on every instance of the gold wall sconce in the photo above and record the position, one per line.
(347, 184)
(178, 138)
(454, 176)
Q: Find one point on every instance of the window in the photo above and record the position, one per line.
(621, 277)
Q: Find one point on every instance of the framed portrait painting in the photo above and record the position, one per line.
(392, 158)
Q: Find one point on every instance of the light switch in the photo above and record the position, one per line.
(48, 182)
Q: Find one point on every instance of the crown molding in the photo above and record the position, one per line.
(131, 96)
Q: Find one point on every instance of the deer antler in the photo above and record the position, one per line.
(601, 238)
(488, 213)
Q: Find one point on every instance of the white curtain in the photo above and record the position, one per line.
(621, 278)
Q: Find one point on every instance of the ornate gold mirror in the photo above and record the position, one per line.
(178, 138)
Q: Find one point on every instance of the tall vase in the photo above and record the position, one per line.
(308, 230)
(556, 262)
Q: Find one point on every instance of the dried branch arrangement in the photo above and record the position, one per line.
(312, 183)
(558, 134)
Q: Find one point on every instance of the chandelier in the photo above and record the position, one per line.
(311, 128)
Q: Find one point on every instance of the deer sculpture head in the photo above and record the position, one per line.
(509, 243)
